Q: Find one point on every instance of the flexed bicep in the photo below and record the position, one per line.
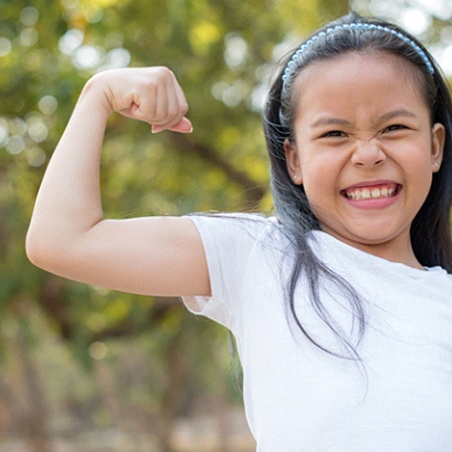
(161, 256)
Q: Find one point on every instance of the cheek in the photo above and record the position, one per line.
(423, 179)
(417, 164)
(320, 174)
(320, 186)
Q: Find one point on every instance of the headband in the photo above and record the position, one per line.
(295, 62)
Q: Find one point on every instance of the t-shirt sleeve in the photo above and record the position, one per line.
(228, 241)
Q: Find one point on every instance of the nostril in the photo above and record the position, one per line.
(368, 155)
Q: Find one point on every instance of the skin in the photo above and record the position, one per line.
(68, 234)
(361, 122)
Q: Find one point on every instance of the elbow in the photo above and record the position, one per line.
(53, 251)
(39, 249)
(33, 248)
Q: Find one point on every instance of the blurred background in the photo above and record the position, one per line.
(87, 369)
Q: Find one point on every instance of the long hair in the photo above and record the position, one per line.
(431, 228)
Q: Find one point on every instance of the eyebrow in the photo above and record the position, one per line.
(396, 113)
(331, 120)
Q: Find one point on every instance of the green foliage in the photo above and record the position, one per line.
(49, 49)
(222, 53)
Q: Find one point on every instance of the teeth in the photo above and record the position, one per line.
(374, 193)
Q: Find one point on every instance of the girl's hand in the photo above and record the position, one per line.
(152, 95)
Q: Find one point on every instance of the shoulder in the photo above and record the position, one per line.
(235, 238)
(244, 226)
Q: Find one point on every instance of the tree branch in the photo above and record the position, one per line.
(253, 192)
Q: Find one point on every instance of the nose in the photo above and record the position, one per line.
(368, 154)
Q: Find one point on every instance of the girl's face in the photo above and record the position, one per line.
(364, 150)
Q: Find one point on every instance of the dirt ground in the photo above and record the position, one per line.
(198, 434)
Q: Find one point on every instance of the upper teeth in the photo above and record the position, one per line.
(370, 193)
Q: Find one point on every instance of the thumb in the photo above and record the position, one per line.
(183, 126)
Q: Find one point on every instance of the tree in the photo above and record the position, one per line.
(222, 53)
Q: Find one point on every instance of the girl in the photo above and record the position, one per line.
(341, 305)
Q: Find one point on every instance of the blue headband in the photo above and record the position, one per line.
(295, 62)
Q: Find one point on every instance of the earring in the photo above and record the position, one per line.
(436, 165)
(294, 178)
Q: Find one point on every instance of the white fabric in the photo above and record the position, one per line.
(297, 397)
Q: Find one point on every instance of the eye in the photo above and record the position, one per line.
(334, 134)
(394, 127)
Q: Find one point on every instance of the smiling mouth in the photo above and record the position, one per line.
(372, 192)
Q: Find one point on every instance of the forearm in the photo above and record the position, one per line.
(69, 200)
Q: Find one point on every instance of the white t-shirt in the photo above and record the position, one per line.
(296, 396)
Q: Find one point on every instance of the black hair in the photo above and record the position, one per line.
(431, 228)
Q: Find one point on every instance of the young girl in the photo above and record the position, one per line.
(341, 305)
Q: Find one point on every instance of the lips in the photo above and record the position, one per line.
(370, 191)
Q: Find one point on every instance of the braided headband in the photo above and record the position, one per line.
(295, 62)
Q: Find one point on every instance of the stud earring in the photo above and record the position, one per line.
(436, 165)
(294, 178)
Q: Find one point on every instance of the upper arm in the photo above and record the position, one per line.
(154, 256)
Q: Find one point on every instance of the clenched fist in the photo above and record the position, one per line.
(152, 95)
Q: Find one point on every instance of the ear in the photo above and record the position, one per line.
(438, 140)
(292, 162)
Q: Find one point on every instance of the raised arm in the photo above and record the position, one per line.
(68, 235)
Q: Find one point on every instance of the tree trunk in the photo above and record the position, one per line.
(36, 415)
(177, 371)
